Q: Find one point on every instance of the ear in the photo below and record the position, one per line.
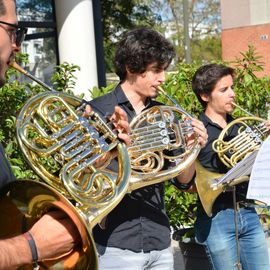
(205, 97)
(128, 70)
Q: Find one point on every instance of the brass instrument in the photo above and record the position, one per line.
(62, 146)
(251, 132)
(209, 185)
(158, 137)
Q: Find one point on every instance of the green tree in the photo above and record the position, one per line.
(253, 92)
(204, 27)
(207, 49)
(37, 6)
(119, 16)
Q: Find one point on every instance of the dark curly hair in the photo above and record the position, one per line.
(140, 47)
(206, 78)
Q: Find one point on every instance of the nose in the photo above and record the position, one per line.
(161, 76)
(15, 48)
(232, 93)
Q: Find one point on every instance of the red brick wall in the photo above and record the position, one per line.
(237, 40)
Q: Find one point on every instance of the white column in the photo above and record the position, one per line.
(76, 41)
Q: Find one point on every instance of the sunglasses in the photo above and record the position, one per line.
(18, 34)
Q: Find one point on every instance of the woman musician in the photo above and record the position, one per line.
(213, 85)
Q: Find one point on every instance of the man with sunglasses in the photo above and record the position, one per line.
(54, 234)
(11, 34)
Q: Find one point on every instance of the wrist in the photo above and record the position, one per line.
(33, 248)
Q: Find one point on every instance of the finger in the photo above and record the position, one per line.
(125, 137)
(202, 135)
(267, 124)
(122, 126)
(102, 160)
(198, 124)
(87, 110)
(120, 113)
(199, 127)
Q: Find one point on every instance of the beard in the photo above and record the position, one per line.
(3, 70)
(2, 81)
(2, 75)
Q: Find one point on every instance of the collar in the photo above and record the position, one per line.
(120, 95)
(207, 121)
(122, 98)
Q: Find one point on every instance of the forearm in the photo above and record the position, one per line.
(187, 175)
(14, 252)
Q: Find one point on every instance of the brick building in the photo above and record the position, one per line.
(246, 22)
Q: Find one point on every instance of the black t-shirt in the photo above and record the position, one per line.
(209, 159)
(6, 174)
(139, 222)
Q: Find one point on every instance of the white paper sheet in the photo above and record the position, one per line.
(259, 182)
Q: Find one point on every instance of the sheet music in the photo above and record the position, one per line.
(242, 168)
(259, 183)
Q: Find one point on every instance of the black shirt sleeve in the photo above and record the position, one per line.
(6, 174)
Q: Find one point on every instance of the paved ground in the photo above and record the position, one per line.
(179, 261)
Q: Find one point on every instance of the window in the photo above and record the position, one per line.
(41, 39)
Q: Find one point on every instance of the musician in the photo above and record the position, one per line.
(136, 234)
(54, 234)
(213, 85)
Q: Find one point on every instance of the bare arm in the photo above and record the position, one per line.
(14, 252)
(54, 235)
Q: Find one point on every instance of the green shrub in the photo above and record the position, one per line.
(13, 96)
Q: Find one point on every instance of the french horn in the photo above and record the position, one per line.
(159, 144)
(251, 132)
(160, 147)
(62, 146)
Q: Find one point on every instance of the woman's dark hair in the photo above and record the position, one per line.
(206, 78)
(140, 47)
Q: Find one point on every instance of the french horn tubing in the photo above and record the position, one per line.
(250, 135)
(251, 132)
(62, 146)
(159, 137)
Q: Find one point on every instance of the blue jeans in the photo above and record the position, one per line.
(218, 236)
(111, 258)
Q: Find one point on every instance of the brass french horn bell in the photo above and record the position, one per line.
(62, 146)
